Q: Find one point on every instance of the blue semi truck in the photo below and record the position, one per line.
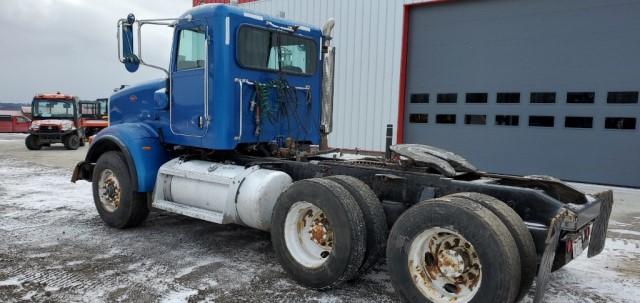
(236, 134)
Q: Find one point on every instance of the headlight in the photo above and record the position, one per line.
(35, 127)
(67, 127)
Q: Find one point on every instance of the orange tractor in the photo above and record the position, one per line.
(93, 116)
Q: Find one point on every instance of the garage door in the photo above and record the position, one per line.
(528, 87)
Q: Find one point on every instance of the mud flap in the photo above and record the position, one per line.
(82, 171)
(599, 230)
(550, 245)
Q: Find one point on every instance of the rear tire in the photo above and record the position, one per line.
(438, 243)
(72, 141)
(519, 232)
(118, 205)
(32, 142)
(374, 219)
(318, 233)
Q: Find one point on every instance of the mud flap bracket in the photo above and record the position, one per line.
(550, 246)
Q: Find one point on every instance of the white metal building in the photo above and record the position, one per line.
(516, 86)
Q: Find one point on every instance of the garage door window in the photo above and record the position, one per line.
(581, 97)
(541, 121)
(622, 97)
(419, 118)
(447, 98)
(475, 119)
(578, 122)
(507, 120)
(508, 98)
(620, 123)
(543, 97)
(419, 98)
(477, 98)
(446, 119)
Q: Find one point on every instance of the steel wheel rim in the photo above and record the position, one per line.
(444, 266)
(308, 234)
(109, 190)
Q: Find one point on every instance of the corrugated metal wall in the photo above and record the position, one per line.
(368, 40)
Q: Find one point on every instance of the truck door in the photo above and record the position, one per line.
(22, 125)
(189, 72)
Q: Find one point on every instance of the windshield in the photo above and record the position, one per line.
(53, 109)
(89, 109)
(103, 109)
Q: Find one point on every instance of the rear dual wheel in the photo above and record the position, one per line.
(328, 231)
(318, 233)
(453, 250)
(519, 232)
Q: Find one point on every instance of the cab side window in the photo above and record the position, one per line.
(191, 49)
(274, 51)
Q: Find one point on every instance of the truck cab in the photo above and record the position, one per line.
(226, 66)
(55, 119)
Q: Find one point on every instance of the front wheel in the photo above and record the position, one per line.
(452, 250)
(118, 205)
(72, 141)
(32, 142)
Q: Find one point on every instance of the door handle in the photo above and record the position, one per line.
(200, 121)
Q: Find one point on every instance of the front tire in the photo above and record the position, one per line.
(32, 142)
(117, 204)
(318, 233)
(72, 141)
(451, 250)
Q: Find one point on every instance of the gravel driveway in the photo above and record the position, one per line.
(55, 248)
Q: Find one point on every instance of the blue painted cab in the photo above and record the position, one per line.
(205, 113)
(221, 91)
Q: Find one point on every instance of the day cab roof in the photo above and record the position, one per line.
(205, 11)
(53, 96)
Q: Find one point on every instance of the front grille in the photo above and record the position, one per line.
(49, 129)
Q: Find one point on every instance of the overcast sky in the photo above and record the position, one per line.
(70, 45)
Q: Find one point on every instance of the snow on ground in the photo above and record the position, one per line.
(55, 248)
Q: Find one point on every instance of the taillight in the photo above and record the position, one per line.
(587, 232)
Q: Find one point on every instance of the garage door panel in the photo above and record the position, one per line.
(525, 47)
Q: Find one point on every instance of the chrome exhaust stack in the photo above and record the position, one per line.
(328, 72)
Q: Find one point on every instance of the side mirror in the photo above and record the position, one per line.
(129, 58)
